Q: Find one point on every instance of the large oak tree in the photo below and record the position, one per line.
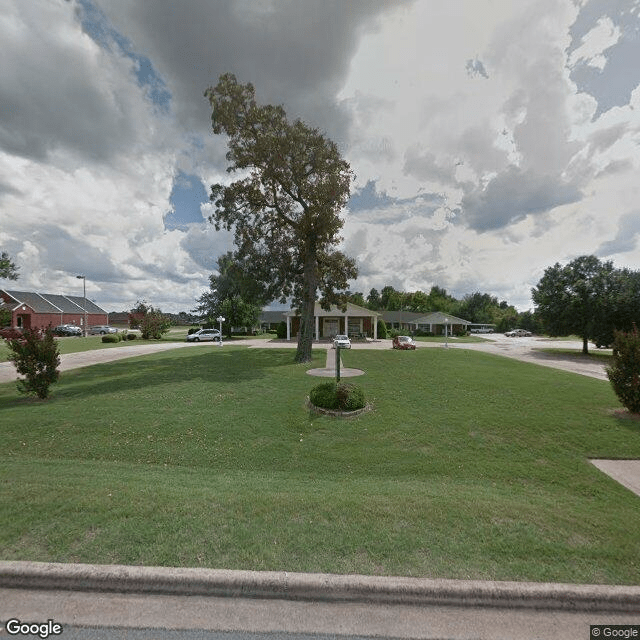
(285, 207)
(576, 298)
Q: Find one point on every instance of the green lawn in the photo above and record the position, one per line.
(75, 345)
(470, 466)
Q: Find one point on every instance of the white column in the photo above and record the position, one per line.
(374, 319)
(317, 328)
(288, 327)
(346, 325)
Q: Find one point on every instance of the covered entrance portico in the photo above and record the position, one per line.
(355, 322)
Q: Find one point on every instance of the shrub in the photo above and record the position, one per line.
(382, 329)
(350, 397)
(154, 325)
(281, 331)
(131, 336)
(324, 395)
(111, 337)
(36, 356)
(344, 396)
(624, 373)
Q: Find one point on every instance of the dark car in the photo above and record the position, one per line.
(67, 330)
(404, 342)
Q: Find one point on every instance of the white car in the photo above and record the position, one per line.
(204, 334)
(342, 341)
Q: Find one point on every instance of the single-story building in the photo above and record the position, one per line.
(354, 321)
(30, 310)
(269, 320)
(400, 320)
(440, 323)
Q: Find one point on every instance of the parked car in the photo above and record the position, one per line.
(204, 334)
(342, 341)
(102, 329)
(404, 342)
(67, 330)
(518, 333)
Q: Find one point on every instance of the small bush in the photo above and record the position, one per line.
(350, 397)
(131, 336)
(281, 331)
(343, 397)
(382, 329)
(36, 356)
(111, 337)
(324, 395)
(624, 373)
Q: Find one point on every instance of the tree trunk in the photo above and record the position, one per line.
(585, 345)
(307, 308)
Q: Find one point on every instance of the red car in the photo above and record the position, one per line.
(404, 342)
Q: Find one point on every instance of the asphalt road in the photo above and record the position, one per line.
(99, 616)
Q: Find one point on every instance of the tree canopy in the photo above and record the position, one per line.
(284, 209)
(587, 297)
(8, 268)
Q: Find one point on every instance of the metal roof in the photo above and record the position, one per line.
(63, 303)
(33, 300)
(91, 307)
(53, 303)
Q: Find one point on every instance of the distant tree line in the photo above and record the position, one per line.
(478, 308)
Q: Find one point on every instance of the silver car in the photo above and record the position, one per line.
(518, 333)
(102, 329)
(204, 334)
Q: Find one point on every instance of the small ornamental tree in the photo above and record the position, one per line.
(624, 373)
(36, 356)
(154, 325)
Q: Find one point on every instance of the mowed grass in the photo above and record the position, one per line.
(469, 466)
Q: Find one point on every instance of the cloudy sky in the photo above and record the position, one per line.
(490, 138)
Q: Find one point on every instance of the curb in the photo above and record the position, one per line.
(318, 587)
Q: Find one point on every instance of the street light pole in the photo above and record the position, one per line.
(220, 319)
(84, 295)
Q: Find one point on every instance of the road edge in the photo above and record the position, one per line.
(318, 587)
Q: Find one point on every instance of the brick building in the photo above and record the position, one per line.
(30, 310)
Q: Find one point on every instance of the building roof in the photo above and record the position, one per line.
(353, 311)
(438, 317)
(53, 303)
(400, 316)
(91, 307)
(62, 303)
(272, 316)
(33, 300)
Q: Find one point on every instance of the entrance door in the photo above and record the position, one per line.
(330, 327)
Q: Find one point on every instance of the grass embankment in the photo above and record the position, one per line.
(470, 466)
